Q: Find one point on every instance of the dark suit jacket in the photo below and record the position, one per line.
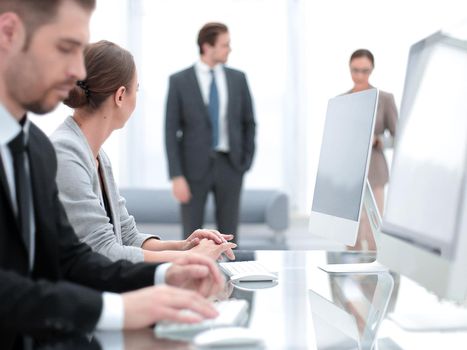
(188, 126)
(62, 293)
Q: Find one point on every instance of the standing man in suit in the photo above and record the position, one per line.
(50, 282)
(209, 133)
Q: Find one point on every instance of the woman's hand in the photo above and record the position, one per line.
(213, 250)
(377, 142)
(218, 238)
(213, 235)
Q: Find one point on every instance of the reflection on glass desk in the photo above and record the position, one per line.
(285, 315)
(141, 339)
(351, 318)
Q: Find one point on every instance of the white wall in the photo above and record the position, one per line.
(168, 39)
(295, 54)
(115, 30)
(335, 28)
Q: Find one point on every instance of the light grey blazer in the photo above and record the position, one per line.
(81, 195)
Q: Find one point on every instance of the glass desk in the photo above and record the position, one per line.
(306, 309)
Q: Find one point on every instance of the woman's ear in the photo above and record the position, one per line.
(120, 96)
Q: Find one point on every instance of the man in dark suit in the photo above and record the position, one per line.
(210, 131)
(50, 282)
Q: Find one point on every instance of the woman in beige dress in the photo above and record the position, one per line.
(361, 66)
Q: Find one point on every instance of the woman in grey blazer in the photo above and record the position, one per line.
(103, 103)
(361, 66)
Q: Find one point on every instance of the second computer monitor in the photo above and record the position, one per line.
(343, 166)
(424, 231)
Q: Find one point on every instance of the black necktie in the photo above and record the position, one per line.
(18, 150)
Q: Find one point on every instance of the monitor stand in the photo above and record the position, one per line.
(374, 218)
(445, 318)
(440, 317)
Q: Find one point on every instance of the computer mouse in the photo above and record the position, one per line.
(248, 277)
(227, 336)
(254, 285)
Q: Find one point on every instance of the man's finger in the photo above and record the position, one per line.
(183, 299)
(198, 259)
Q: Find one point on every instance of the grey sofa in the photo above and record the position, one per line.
(158, 207)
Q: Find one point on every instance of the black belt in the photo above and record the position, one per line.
(215, 154)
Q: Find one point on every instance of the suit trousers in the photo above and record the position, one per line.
(225, 183)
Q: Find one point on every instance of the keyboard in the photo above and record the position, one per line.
(232, 312)
(247, 271)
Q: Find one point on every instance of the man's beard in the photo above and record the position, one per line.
(38, 107)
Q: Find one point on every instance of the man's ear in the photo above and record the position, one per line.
(11, 30)
(206, 48)
(120, 96)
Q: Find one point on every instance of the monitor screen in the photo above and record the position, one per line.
(344, 155)
(428, 175)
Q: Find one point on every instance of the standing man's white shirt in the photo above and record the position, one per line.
(203, 75)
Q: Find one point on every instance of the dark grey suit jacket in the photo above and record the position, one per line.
(188, 126)
(63, 292)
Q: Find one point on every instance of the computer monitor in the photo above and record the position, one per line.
(343, 166)
(424, 229)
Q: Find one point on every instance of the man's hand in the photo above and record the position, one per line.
(181, 189)
(149, 305)
(195, 272)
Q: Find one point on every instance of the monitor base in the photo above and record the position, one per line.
(362, 268)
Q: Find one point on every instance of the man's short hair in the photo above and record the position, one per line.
(36, 13)
(209, 33)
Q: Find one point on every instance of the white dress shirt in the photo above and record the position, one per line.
(203, 74)
(112, 315)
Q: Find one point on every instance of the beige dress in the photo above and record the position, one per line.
(386, 119)
(378, 174)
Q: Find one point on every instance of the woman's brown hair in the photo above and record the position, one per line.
(108, 67)
(363, 53)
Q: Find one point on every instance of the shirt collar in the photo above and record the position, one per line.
(203, 67)
(10, 127)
